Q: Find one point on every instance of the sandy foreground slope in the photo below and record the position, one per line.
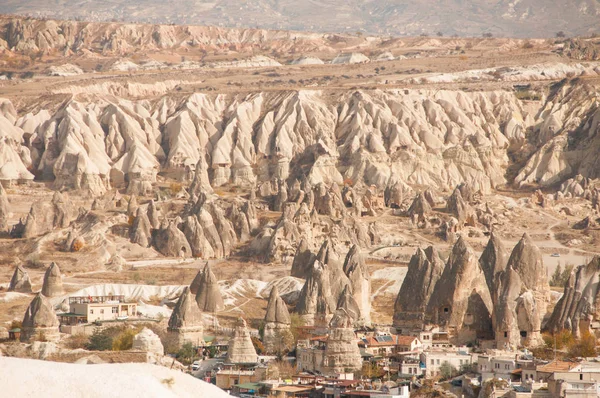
(32, 378)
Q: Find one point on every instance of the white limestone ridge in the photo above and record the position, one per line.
(417, 137)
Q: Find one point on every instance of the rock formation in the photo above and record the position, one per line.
(424, 270)
(241, 350)
(197, 281)
(360, 282)
(419, 208)
(153, 215)
(186, 319)
(40, 321)
(523, 297)
(20, 281)
(4, 209)
(208, 297)
(341, 352)
(171, 242)
(53, 286)
(201, 182)
(493, 263)
(147, 341)
(141, 232)
(317, 286)
(277, 321)
(303, 260)
(461, 299)
(576, 309)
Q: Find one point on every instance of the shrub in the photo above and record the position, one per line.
(124, 341)
(77, 341)
(258, 345)
(186, 353)
(584, 347)
(175, 188)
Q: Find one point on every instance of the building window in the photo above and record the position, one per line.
(438, 361)
(91, 311)
(115, 310)
(432, 362)
(580, 376)
(446, 309)
(523, 333)
(505, 334)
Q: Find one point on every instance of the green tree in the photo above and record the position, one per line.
(556, 276)
(99, 341)
(447, 370)
(186, 353)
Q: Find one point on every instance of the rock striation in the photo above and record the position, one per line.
(186, 319)
(40, 321)
(524, 295)
(53, 286)
(461, 300)
(241, 350)
(360, 283)
(576, 309)
(4, 209)
(424, 271)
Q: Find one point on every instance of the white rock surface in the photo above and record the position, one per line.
(27, 377)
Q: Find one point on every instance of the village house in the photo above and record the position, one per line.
(433, 360)
(88, 309)
(388, 345)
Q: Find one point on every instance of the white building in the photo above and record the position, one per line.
(433, 360)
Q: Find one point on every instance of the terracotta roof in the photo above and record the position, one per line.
(556, 366)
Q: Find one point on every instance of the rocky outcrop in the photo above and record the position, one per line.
(40, 321)
(171, 242)
(493, 263)
(147, 341)
(524, 295)
(303, 260)
(419, 209)
(20, 281)
(186, 319)
(360, 283)
(347, 306)
(208, 297)
(458, 207)
(44, 217)
(317, 286)
(576, 309)
(341, 351)
(277, 322)
(424, 270)
(53, 286)
(201, 181)
(461, 299)
(141, 230)
(241, 350)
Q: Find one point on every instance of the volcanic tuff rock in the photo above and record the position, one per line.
(4, 209)
(186, 318)
(141, 230)
(493, 263)
(40, 319)
(208, 297)
(523, 293)
(20, 281)
(360, 282)
(277, 320)
(576, 309)
(341, 351)
(461, 299)
(170, 241)
(241, 349)
(424, 270)
(53, 285)
(146, 340)
(346, 307)
(303, 260)
(317, 286)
